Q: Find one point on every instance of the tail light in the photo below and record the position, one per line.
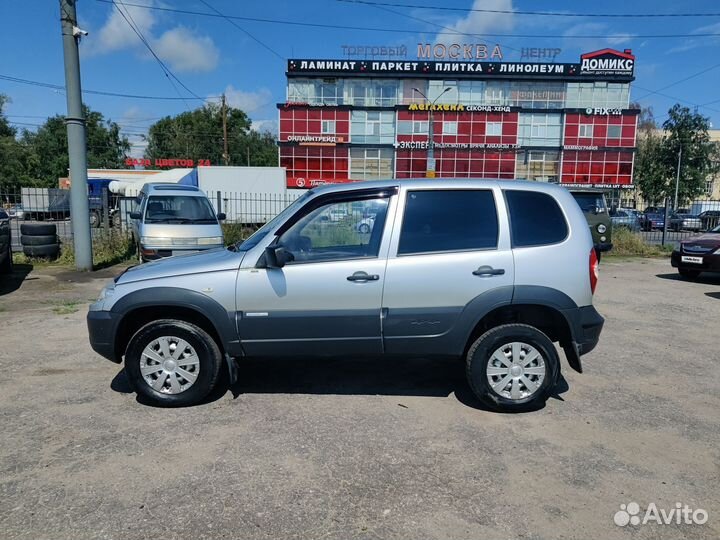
(594, 270)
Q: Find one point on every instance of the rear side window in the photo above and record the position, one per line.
(448, 220)
(535, 219)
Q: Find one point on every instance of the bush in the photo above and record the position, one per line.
(627, 243)
(108, 249)
(236, 232)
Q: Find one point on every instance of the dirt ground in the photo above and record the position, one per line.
(373, 449)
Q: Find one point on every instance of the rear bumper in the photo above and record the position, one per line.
(102, 328)
(586, 324)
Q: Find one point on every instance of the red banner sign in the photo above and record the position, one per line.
(166, 162)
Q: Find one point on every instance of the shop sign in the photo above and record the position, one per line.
(374, 50)
(302, 182)
(536, 52)
(603, 111)
(456, 107)
(424, 145)
(315, 139)
(167, 162)
(579, 147)
(607, 62)
(458, 51)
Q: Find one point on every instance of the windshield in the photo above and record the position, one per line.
(179, 209)
(258, 235)
(588, 201)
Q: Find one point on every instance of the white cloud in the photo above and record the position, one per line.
(477, 22)
(269, 125)
(185, 51)
(248, 101)
(181, 48)
(606, 39)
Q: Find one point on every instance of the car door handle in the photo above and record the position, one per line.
(363, 276)
(486, 270)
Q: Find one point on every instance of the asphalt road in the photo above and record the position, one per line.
(363, 449)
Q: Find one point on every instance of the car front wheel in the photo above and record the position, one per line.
(173, 363)
(512, 368)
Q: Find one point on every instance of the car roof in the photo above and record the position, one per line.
(163, 188)
(437, 183)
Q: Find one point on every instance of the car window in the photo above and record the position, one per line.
(620, 213)
(448, 220)
(589, 201)
(535, 219)
(179, 209)
(337, 230)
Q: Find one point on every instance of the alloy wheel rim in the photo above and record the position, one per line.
(169, 365)
(516, 370)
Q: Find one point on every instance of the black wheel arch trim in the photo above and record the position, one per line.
(219, 317)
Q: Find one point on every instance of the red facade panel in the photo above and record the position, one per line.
(600, 130)
(309, 166)
(597, 167)
(300, 122)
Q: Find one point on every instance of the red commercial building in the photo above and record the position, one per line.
(349, 120)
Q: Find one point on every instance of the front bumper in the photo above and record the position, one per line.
(603, 246)
(710, 262)
(154, 253)
(102, 328)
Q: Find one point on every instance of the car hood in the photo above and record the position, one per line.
(707, 240)
(212, 260)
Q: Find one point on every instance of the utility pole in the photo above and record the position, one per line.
(430, 168)
(677, 178)
(77, 152)
(226, 155)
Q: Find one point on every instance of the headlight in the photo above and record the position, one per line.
(601, 228)
(108, 290)
(150, 240)
(209, 241)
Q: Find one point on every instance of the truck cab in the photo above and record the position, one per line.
(592, 203)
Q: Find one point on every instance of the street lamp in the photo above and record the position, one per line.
(430, 168)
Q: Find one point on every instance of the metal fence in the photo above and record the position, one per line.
(654, 223)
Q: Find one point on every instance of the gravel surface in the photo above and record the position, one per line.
(362, 449)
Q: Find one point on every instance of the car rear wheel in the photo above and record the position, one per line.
(6, 266)
(364, 228)
(688, 274)
(512, 368)
(173, 363)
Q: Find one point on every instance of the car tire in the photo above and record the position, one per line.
(688, 274)
(163, 386)
(39, 240)
(6, 267)
(50, 251)
(95, 219)
(364, 228)
(117, 220)
(38, 229)
(484, 364)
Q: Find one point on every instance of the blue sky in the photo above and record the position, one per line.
(211, 56)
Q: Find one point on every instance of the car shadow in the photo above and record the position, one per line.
(345, 376)
(12, 282)
(715, 295)
(707, 278)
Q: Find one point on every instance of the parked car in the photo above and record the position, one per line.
(16, 211)
(6, 262)
(684, 222)
(698, 254)
(366, 224)
(625, 218)
(452, 268)
(174, 219)
(592, 203)
(651, 221)
(709, 219)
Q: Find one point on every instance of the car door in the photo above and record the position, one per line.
(450, 259)
(326, 300)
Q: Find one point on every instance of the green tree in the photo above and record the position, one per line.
(106, 148)
(198, 134)
(656, 165)
(15, 157)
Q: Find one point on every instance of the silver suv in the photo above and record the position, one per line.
(492, 271)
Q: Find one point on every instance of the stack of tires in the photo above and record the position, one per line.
(40, 240)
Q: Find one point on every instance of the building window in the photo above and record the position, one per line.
(371, 163)
(614, 132)
(497, 93)
(585, 130)
(420, 127)
(328, 127)
(374, 127)
(539, 129)
(537, 95)
(537, 165)
(372, 93)
(449, 128)
(316, 92)
(493, 129)
(597, 94)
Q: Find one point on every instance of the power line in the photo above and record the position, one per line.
(166, 70)
(701, 72)
(99, 92)
(405, 30)
(236, 25)
(537, 13)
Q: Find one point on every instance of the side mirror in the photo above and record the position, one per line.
(277, 257)
(221, 216)
(135, 215)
